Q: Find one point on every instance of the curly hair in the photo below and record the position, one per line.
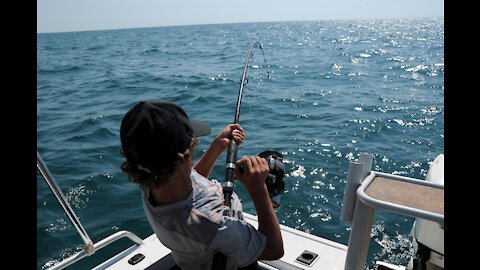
(149, 178)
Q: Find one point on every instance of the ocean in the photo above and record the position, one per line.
(326, 92)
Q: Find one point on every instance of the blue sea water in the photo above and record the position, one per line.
(328, 91)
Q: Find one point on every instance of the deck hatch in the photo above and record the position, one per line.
(307, 257)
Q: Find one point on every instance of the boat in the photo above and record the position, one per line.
(365, 191)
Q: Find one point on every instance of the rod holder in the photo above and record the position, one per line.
(354, 175)
(367, 160)
(357, 171)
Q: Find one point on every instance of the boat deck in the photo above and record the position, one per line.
(300, 249)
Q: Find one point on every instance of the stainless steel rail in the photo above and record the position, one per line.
(89, 247)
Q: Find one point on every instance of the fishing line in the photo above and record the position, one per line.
(249, 101)
(255, 144)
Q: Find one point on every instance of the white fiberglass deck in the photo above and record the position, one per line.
(331, 255)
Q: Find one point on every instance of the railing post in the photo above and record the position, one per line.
(359, 214)
(89, 247)
(47, 176)
(359, 236)
(354, 179)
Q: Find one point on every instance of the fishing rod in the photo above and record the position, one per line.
(233, 145)
(220, 260)
(274, 180)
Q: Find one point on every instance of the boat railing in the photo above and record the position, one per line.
(368, 190)
(89, 246)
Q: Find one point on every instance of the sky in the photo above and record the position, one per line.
(85, 15)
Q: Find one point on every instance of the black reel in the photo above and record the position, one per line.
(274, 181)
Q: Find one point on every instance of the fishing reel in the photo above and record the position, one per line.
(274, 180)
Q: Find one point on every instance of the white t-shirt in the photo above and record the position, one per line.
(200, 226)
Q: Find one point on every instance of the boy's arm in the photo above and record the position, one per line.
(206, 162)
(255, 172)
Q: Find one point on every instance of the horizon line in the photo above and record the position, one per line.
(247, 22)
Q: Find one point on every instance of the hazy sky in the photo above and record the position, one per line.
(80, 15)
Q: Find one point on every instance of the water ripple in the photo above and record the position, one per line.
(335, 89)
